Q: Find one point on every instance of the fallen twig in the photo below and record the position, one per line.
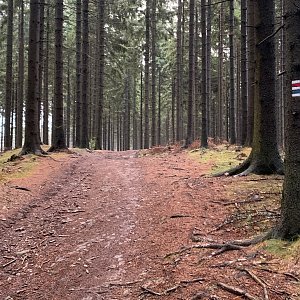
(72, 211)
(151, 292)
(236, 291)
(9, 263)
(179, 216)
(19, 188)
(192, 281)
(123, 283)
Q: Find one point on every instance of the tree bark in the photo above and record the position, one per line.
(20, 95)
(264, 157)
(178, 89)
(289, 226)
(244, 74)
(153, 74)
(9, 76)
(220, 100)
(58, 134)
(78, 73)
(99, 111)
(32, 140)
(188, 139)
(84, 143)
(46, 83)
(204, 143)
(251, 72)
(147, 67)
(232, 129)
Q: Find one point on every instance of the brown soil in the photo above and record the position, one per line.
(107, 225)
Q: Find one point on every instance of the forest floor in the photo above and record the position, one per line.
(132, 225)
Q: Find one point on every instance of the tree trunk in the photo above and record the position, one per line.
(46, 83)
(141, 109)
(153, 73)
(188, 139)
(32, 140)
(68, 108)
(289, 226)
(84, 143)
(20, 96)
(159, 110)
(173, 112)
(232, 131)
(204, 143)
(147, 93)
(58, 134)
(178, 89)
(220, 100)
(251, 72)
(99, 111)
(78, 74)
(9, 76)
(134, 119)
(264, 158)
(41, 60)
(126, 115)
(244, 75)
(210, 102)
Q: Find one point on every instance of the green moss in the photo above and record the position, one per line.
(6, 155)
(220, 158)
(283, 249)
(18, 168)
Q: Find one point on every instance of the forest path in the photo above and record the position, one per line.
(100, 225)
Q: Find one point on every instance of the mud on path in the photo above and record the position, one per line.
(107, 225)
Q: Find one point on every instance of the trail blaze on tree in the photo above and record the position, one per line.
(289, 226)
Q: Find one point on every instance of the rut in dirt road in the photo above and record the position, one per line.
(71, 242)
(119, 226)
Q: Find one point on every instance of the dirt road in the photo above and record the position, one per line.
(102, 225)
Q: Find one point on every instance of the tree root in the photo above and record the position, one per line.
(258, 280)
(58, 149)
(170, 290)
(223, 247)
(254, 166)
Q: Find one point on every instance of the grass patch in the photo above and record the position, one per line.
(283, 249)
(22, 167)
(16, 169)
(220, 158)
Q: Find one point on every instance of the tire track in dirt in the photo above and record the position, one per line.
(72, 242)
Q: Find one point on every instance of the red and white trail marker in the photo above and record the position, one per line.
(296, 88)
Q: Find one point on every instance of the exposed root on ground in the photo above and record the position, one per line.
(255, 165)
(236, 291)
(147, 290)
(224, 246)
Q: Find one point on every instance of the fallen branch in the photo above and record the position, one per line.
(236, 291)
(151, 292)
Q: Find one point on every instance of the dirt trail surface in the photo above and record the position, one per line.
(107, 225)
